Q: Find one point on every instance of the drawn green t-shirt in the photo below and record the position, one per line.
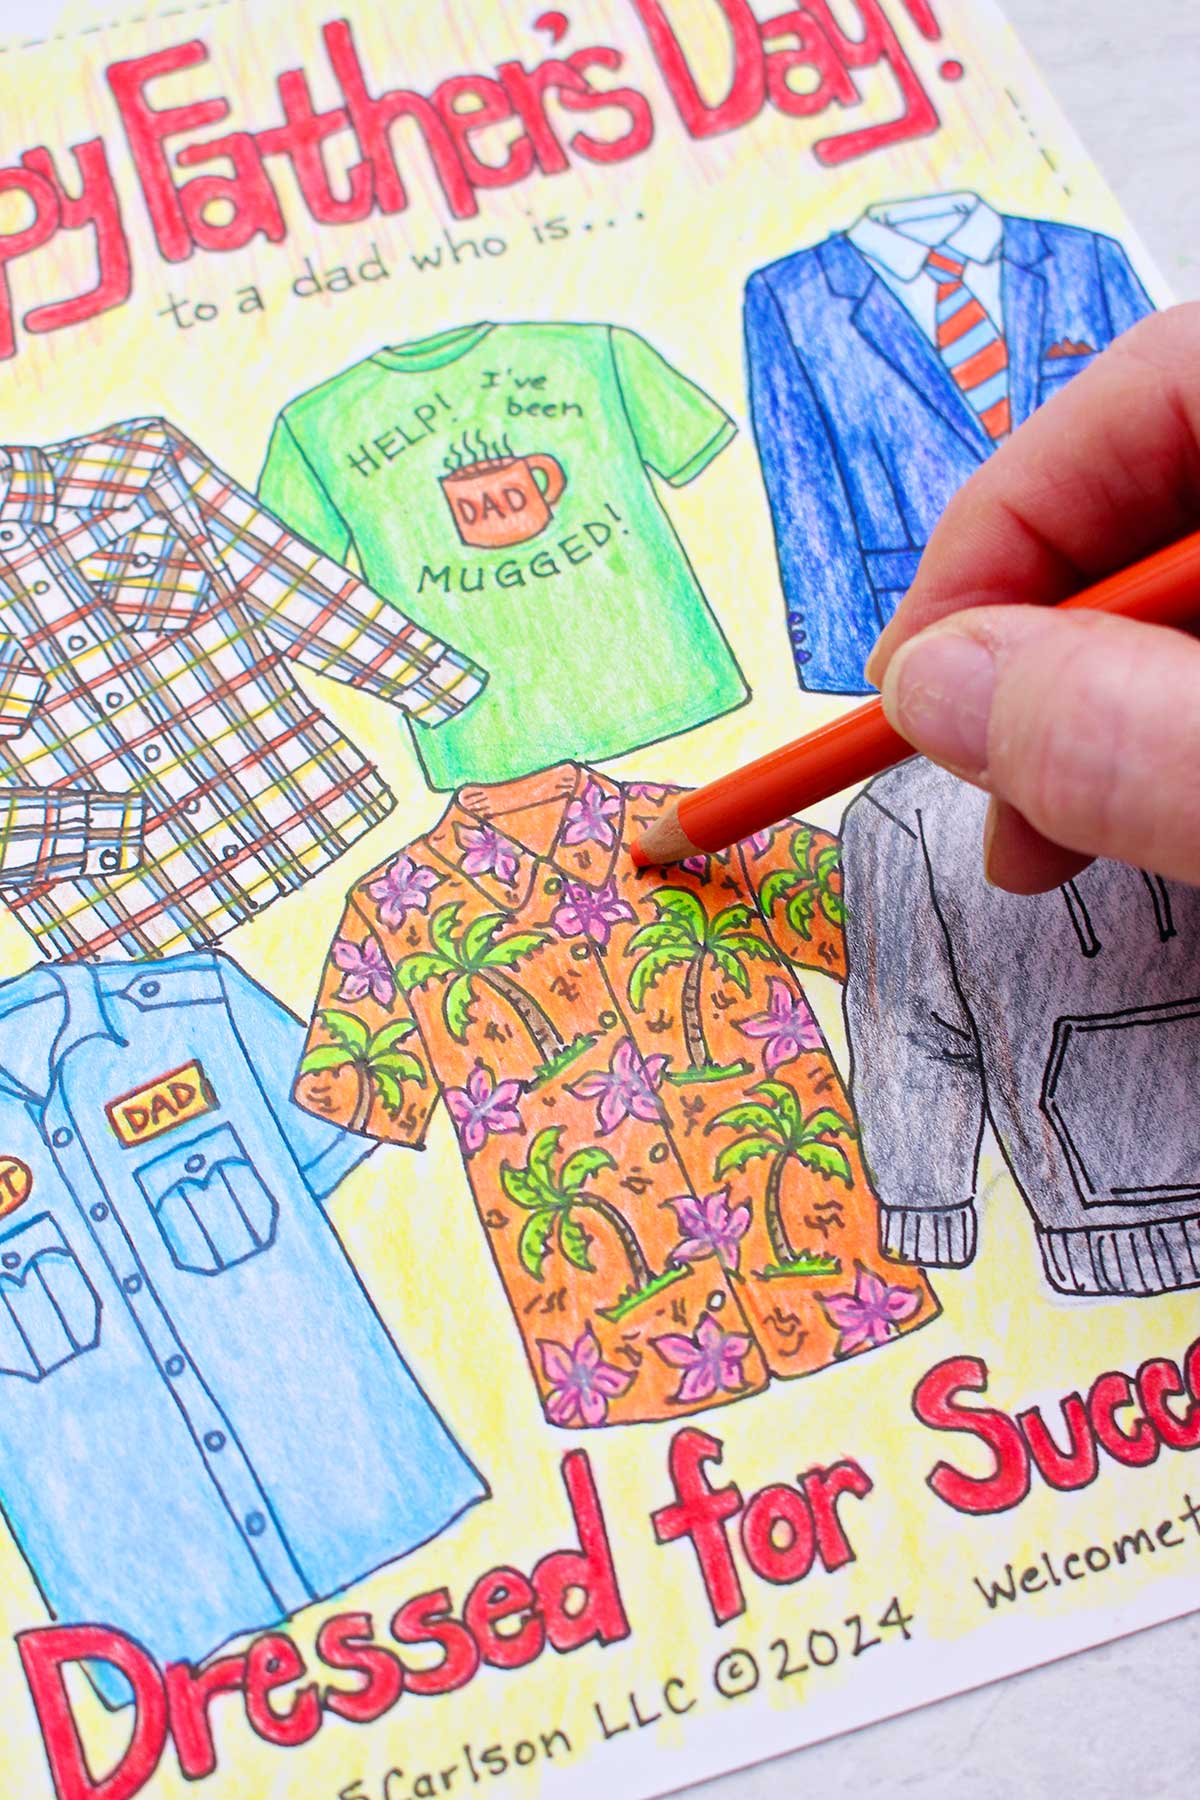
(494, 480)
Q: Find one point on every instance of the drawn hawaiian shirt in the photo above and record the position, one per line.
(204, 1425)
(162, 775)
(496, 479)
(661, 1150)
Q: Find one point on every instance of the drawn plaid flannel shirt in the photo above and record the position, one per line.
(162, 775)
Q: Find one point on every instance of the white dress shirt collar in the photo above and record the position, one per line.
(899, 234)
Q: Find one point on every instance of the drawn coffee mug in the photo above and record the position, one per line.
(501, 500)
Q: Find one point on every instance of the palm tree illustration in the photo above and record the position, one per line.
(379, 1066)
(479, 956)
(774, 1125)
(684, 936)
(808, 884)
(554, 1196)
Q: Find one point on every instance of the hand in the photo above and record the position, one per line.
(1084, 728)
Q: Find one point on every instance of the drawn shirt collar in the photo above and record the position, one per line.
(568, 816)
(899, 234)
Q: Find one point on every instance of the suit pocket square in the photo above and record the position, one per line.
(1069, 347)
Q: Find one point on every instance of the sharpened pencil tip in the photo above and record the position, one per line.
(637, 855)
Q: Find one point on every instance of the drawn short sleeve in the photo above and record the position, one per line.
(290, 488)
(915, 1074)
(796, 873)
(678, 427)
(364, 1067)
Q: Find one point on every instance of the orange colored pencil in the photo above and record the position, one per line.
(1164, 589)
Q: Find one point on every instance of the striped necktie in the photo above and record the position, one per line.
(970, 346)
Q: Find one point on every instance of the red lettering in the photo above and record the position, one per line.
(587, 1576)
(823, 1488)
(1109, 1393)
(272, 1662)
(373, 118)
(147, 129)
(771, 1509)
(934, 1404)
(246, 197)
(1077, 1465)
(190, 1693)
(504, 1594)
(427, 1619)
(96, 205)
(584, 98)
(44, 1654)
(346, 1643)
(747, 85)
(301, 138)
(701, 1513)
(492, 106)
(813, 51)
(878, 44)
(42, 195)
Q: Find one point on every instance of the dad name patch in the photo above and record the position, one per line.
(170, 1100)
(16, 1183)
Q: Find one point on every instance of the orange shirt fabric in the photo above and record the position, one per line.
(660, 1147)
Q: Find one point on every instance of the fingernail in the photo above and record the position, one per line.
(938, 694)
(872, 665)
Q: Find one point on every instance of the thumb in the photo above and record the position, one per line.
(1086, 724)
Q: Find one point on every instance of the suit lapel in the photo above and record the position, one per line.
(886, 325)
(1024, 302)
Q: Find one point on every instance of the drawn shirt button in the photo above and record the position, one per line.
(61, 1138)
(716, 1301)
(113, 697)
(132, 1284)
(76, 641)
(8, 534)
(175, 1365)
(99, 1212)
(110, 860)
(194, 1164)
(151, 753)
(140, 559)
(148, 989)
(10, 1259)
(255, 1524)
(41, 587)
(214, 1440)
(229, 850)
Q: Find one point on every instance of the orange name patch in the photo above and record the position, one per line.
(171, 1100)
(16, 1184)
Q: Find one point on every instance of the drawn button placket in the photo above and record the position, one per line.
(234, 1476)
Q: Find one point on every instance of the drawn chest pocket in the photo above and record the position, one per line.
(209, 1202)
(1055, 371)
(49, 1311)
(1121, 1093)
(149, 578)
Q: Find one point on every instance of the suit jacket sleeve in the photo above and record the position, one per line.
(915, 1073)
(1125, 297)
(830, 602)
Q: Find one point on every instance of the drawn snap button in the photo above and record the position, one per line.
(151, 753)
(175, 1365)
(8, 534)
(193, 806)
(579, 952)
(132, 1284)
(229, 850)
(148, 989)
(194, 1164)
(76, 641)
(10, 1259)
(608, 1020)
(62, 1137)
(41, 587)
(214, 1440)
(255, 1524)
(99, 1212)
(658, 1153)
(140, 559)
(110, 859)
(716, 1302)
(113, 697)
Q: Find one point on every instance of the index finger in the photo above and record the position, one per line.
(1105, 472)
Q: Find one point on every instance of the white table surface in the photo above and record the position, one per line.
(1121, 1722)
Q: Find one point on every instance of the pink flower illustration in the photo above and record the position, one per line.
(488, 853)
(589, 912)
(646, 790)
(589, 819)
(710, 1229)
(696, 865)
(872, 1313)
(582, 1383)
(758, 841)
(365, 970)
(711, 1361)
(484, 1106)
(401, 889)
(628, 1090)
(787, 1025)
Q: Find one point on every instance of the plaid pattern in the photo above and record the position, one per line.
(165, 778)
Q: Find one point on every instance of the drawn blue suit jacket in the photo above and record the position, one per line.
(862, 434)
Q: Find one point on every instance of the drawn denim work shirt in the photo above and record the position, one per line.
(204, 1425)
(163, 777)
(660, 1146)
